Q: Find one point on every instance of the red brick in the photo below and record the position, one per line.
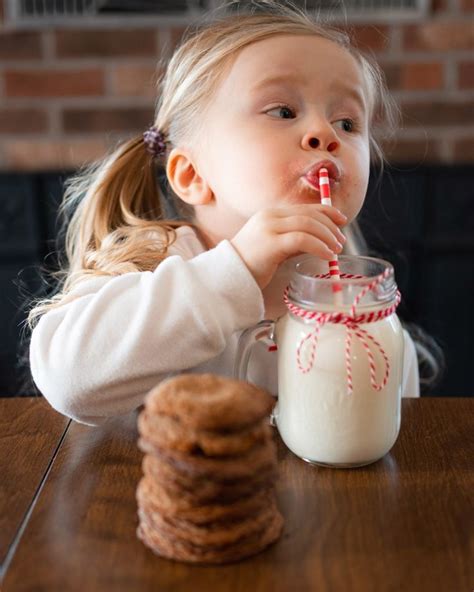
(134, 80)
(414, 76)
(176, 36)
(439, 36)
(466, 75)
(413, 151)
(464, 150)
(392, 75)
(422, 76)
(54, 83)
(47, 154)
(106, 43)
(109, 119)
(437, 113)
(467, 5)
(23, 121)
(374, 38)
(438, 6)
(20, 45)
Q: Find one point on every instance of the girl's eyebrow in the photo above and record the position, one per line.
(278, 79)
(350, 91)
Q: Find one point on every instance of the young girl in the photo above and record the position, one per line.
(249, 109)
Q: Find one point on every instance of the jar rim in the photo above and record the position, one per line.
(311, 283)
(383, 263)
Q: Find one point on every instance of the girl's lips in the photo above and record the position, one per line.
(312, 175)
(313, 182)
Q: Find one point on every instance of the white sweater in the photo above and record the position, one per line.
(116, 337)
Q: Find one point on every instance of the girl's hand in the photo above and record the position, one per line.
(271, 236)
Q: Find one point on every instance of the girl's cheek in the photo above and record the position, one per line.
(354, 197)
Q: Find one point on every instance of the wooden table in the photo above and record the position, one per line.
(401, 524)
(30, 433)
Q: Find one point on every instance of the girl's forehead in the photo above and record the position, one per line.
(308, 57)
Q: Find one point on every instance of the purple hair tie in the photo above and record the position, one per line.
(155, 142)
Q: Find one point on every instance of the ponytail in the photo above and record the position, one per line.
(112, 222)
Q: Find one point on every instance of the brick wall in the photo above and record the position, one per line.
(68, 95)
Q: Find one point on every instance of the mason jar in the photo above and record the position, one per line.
(340, 357)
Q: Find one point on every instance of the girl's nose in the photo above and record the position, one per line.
(324, 141)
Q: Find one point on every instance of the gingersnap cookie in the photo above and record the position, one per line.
(203, 489)
(219, 533)
(169, 432)
(210, 402)
(178, 550)
(259, 458)
(153, 497)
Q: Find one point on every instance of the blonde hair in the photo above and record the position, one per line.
(112, 209)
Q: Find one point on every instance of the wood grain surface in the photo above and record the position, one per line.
(401, 524)
(30, 431)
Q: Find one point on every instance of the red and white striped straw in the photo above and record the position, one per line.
(334, 272)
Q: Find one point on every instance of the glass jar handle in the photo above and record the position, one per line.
(248, 338)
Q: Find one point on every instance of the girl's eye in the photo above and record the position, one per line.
(283, 112)
(348, 125)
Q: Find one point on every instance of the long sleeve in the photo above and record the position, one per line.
(99, 354)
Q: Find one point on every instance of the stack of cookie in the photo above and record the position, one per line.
(207, 494)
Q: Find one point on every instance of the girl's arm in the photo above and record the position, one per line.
(101, 353)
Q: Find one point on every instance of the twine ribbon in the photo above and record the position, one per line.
(352, 322)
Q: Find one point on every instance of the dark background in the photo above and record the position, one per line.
(419, 218)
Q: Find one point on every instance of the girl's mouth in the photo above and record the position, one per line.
(312, 174)
(313, 182)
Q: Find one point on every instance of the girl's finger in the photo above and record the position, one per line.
(311, 210)
(323, 229)
(294, 243)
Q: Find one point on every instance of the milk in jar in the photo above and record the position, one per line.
(316, 417)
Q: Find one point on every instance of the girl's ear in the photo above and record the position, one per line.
(185, 179)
